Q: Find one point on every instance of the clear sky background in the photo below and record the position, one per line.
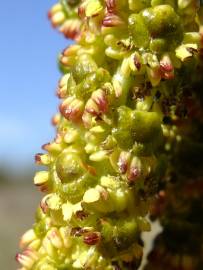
(28, 78)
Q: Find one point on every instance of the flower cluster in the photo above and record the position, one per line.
(123, 104)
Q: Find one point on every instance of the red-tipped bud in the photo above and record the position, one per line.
(92, 108)
(166, 68)
(71, 28)
(96, 105)
(62, 86)
(27, 258)
(100, 99)
(72, 109)
(111, 20)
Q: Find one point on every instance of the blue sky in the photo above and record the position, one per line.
(28, 78)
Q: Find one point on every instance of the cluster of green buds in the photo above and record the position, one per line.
(123, 97)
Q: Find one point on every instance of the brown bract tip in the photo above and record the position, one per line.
(38, 158)
(137, 63)
(92, 238)
(81, 215)
(133, 174)
(46, 146)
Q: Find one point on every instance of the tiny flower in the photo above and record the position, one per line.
(62, 86)
(87, 119)
(49, 247)
(71, 50)
(27, 258)
(67, 211)
(71, 28)
(123, 162)
(66, 61)
(95, 107)
(71, 136)
(53, 147)
(42, 159)
(35, 245)
(99, 155)
(27, 238)
(41, 180)
(154, 75)
(91, 107)
(134, 170)
(44, 205)
(166, 68)
(117, 84)
(72, 109)
(137, 61)
(185, 51)
(56, 15)
(100, 99)
(112, 20)
(53, 201)
(65, 236)
(55, 238)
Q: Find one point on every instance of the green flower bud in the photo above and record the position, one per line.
(139, 31)
(69, 167)
(141, 127)
(162, 21)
